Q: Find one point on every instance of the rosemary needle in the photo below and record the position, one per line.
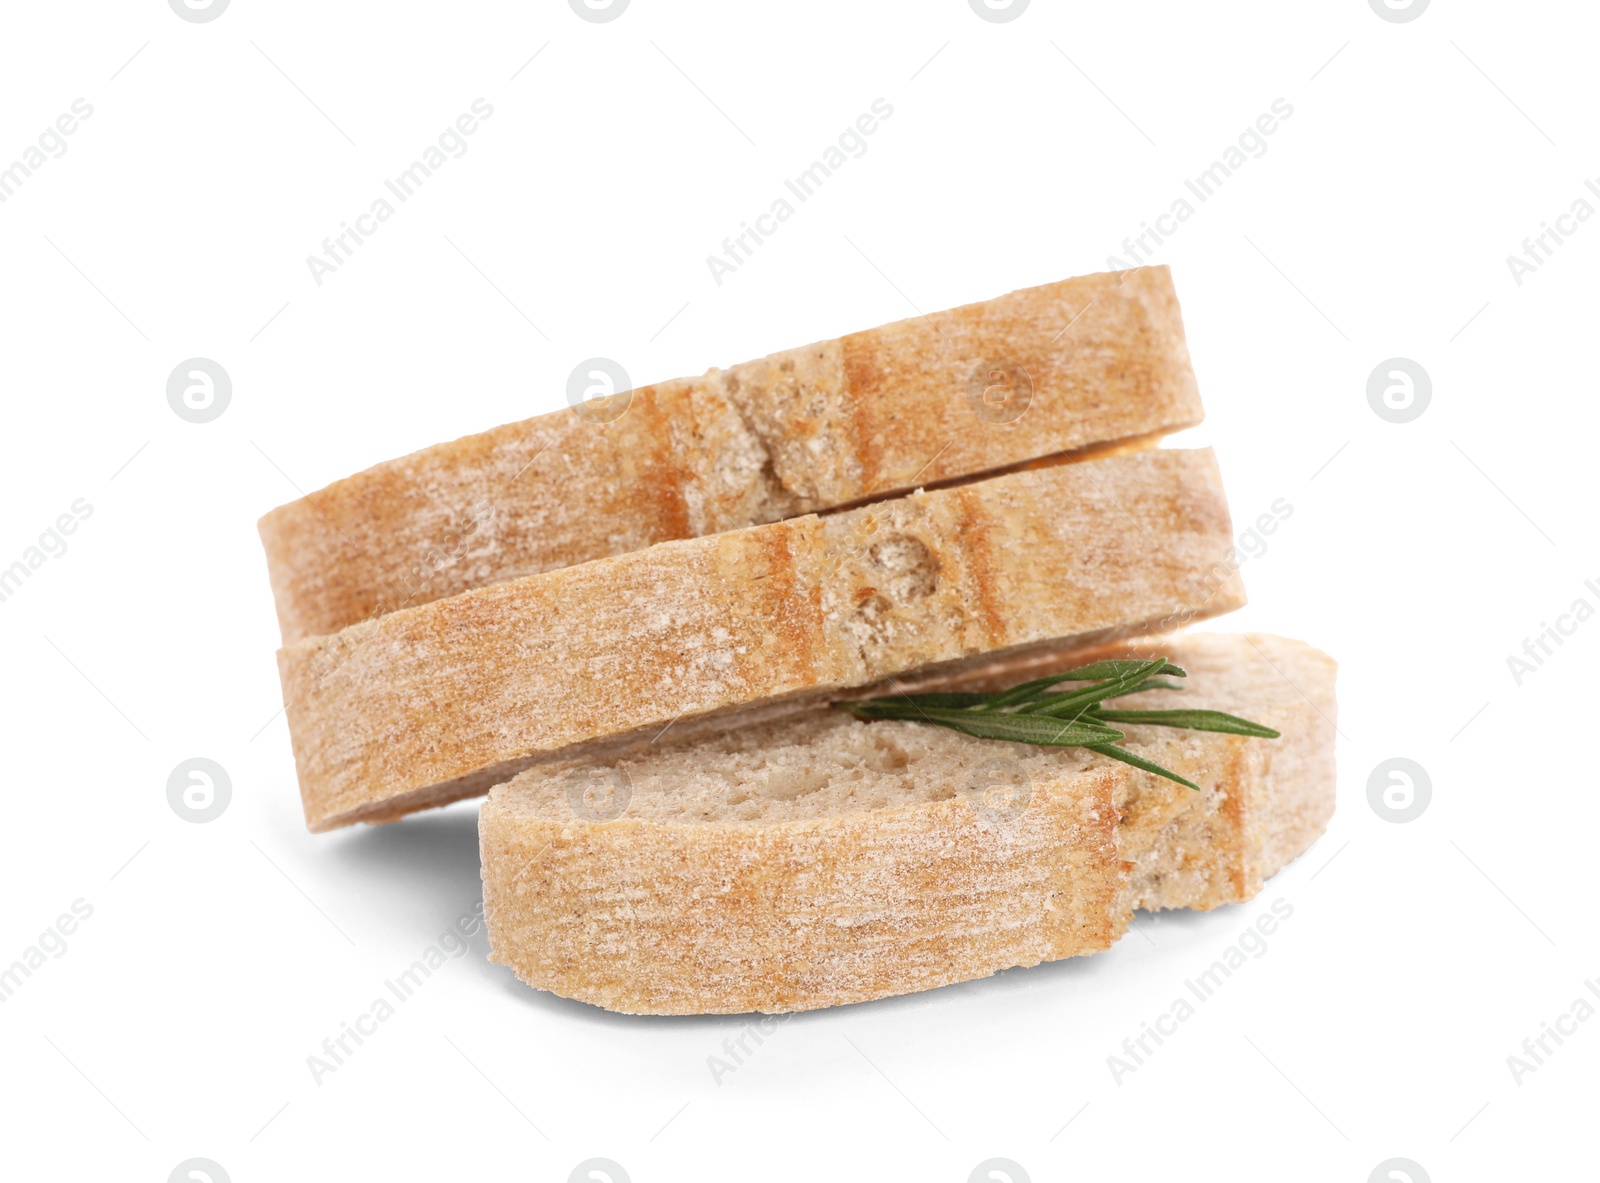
(1033, 712)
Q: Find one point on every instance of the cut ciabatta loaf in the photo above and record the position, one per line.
(430, 704)
(823, 860)
(810, 429)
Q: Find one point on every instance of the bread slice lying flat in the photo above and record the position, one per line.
(431, 704)
(821, 860)
(870, 414)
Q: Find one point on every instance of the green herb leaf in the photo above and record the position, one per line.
(944, 702)
(1073, 702)
(1193, 720)
(1018, 728)
(1118, 670)
(1140, 762)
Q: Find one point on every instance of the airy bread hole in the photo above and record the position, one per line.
(902, 570)
(788, 784)
(885, 755)
(868, 623)
(909, 568)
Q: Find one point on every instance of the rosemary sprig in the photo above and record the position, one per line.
(1035, 713)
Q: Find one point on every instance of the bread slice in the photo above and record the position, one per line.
(821, 860)
(810, 429)
(431, 704)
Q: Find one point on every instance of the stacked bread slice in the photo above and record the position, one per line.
(820, 860)
(1071, 368)
(636, 642)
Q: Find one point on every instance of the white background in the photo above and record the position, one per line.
(1418, 957)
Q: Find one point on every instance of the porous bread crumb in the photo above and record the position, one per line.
(823, 764)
